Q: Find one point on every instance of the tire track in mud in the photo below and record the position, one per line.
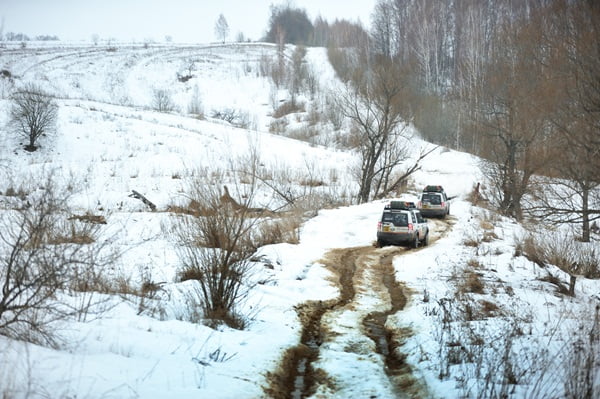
(356, 271)
(296, 376)
(388, 341)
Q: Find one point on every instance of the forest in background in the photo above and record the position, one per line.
(514, 82)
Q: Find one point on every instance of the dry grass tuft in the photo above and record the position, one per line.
(312, 182)
(288, 107)
(279, 231)
(193, 208)
(471, 242)
(472, 283)
(76, 237)
(486, 225)
(489, 236)
(12, 192)
(561, 288)
(89, 218)
(488, 308)
(190, 273)
(532, 250)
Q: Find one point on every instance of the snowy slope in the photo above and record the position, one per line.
(113, 142)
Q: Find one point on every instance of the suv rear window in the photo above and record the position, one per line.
(398, 219)
(434, 199)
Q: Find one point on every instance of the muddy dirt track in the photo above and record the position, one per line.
(352, 330)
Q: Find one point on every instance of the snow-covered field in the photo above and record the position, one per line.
(516, 333)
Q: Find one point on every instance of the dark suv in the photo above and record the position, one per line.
(402, 224)
(434, 202)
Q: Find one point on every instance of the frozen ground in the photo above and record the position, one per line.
(111, 140)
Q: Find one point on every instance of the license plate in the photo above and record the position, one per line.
(386, 228)
(425, 206)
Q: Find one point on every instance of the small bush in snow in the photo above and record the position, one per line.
(564, 251)
(195, 105)
(44, 254)
(278, 231)
(288, 107)
(472, 283)
(235, 117)
(215, 250)
(162, 101)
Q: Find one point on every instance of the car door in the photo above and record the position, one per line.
(447, 203)
(421, 224)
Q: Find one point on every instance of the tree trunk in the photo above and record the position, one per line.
(572, 280)
(365, 188)
(585, 215)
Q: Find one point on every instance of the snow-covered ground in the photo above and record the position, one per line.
(111, 140)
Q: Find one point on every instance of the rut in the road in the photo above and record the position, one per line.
(388, 340)
(296, 377)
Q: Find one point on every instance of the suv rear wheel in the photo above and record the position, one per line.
(415, 243)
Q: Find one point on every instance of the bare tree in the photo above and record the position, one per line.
(195, 105)
(33, 114)
(278, 73)
(240, 37)
(378, 114)
(320, 36)
(222, 28)
(571, 40)
(289, 24)
(513, 115)
(383, 31)
(2, 29)
(297, 72)
(162, 101)
(42, 255)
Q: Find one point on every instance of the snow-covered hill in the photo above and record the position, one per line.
(480, 320)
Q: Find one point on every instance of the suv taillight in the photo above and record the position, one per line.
(378, 225)
(443, 204)
(410, 226)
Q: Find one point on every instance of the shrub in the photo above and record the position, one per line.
(45, 254)
(309, 134)
(162, 101)
(472, 283)
(214, 252)
(287, 108)
(571, 256)
(235, 117)
(195, 105)
(278, 231)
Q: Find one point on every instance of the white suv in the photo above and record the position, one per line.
(434, 202)
(402, 224)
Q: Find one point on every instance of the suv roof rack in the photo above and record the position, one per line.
(402, 205)
(433, 189)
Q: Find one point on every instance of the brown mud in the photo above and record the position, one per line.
(352, 268)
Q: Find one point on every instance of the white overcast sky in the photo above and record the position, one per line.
(183, 20)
